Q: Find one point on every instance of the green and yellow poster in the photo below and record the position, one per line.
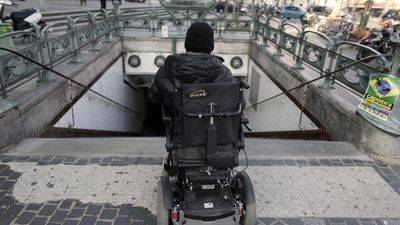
(381, 96)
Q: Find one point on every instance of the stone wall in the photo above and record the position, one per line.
(39, 104)
(335, 112)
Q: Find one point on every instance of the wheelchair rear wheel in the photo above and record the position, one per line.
(162, 212)
(249, 200)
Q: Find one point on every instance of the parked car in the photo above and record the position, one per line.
(221, 6)
(292, 12)
(319, 10)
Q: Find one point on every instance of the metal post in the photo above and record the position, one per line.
(107, 26)
(300, 38)
(92, 29)
(40, 42)
(329, 81)
(220, 25)
(118, 18)
(75, 58)
(395, 67)
(255, 23)
(278, 52)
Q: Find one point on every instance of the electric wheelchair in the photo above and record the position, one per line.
(203, 139)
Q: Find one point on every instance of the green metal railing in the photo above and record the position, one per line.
(307, 47)
(320, 53)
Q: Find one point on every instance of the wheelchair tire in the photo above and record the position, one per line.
(162, 212)
(249, 200)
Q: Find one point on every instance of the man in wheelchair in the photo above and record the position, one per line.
(202, 111)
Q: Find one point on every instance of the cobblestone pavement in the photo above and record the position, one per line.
(72, 211)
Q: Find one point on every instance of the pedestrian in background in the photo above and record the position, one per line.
(103, 4)
(83, 2)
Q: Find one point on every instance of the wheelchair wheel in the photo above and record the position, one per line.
(249, 200)
(162, 212)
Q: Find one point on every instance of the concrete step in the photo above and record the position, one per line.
(154, 147)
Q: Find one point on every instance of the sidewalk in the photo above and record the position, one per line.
(112, 181)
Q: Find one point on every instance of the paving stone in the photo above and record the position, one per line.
(59, 216)
(156, 161)
(75, 213)
(126, 210)
(151, 219)
(34, 206)
(121, 220)
(14, 176)
(56, 161)
(88, 220)
(7, 200)
(349, 221)
(336, 220)
(34, 159)
(81, 162)
(70, 159)
(106, 161)
(46, 158)
(325, 162)
(301, 162)
(289, 162)
(95, 160)
(14, 210)
(25, 218)
(39, 221)
(47, 210)
(7, 185)
(71, 222)
(140, 213)
(108, 214)
(79, 204)
(22, 158)
(6, 172)
(139, 222)
(276, 162)
(8, 159)
(93, 210)
(266, 162)
(66, 204)
(103, 223)
(294, 221)
(313, 162)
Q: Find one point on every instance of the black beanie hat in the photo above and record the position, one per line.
(200, 38)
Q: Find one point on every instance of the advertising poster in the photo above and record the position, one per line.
(381, 96)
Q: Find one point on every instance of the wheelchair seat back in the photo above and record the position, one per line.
(210, 119)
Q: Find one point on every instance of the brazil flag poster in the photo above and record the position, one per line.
(381, 96)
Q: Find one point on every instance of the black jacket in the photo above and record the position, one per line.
(187, 68)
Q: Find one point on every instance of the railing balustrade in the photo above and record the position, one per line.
(51, 48)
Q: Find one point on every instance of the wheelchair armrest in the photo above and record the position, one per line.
(166, 115)
(244, 84)
(167, 119)
(245, 121)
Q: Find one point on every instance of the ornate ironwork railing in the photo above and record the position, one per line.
(307, 47)
(320, 53)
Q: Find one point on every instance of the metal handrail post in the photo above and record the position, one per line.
(75, 57)
(255, 23)
(40, 44)
(107, 26)
(298, 63)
